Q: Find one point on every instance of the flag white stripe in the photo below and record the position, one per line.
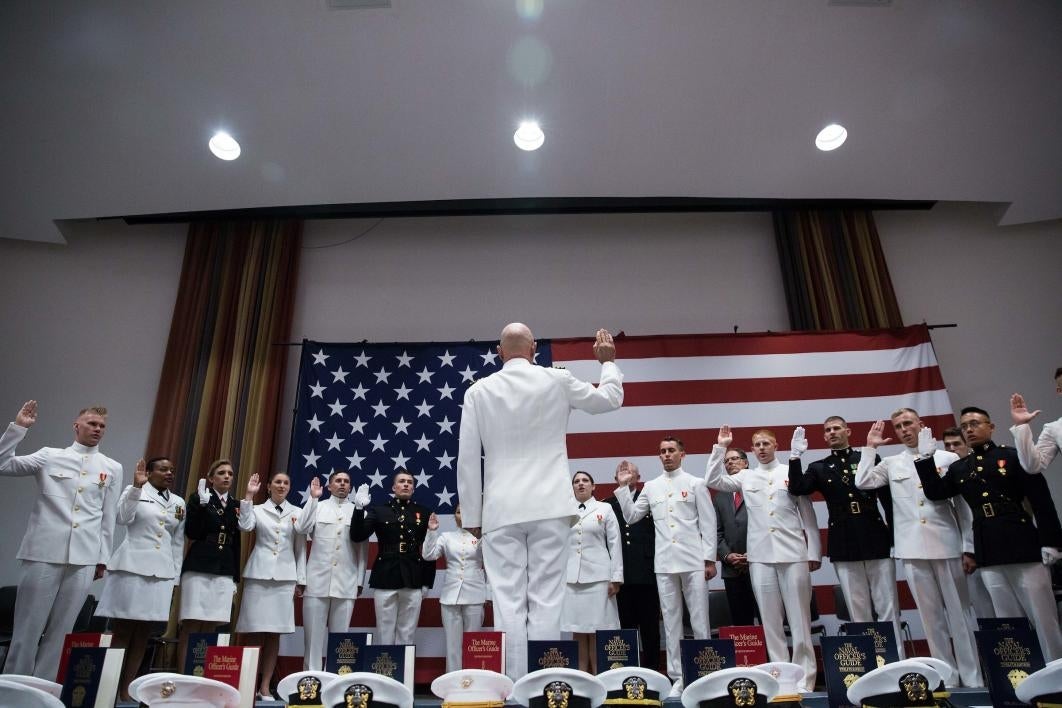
(759, 366)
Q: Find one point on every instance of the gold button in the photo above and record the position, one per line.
(77, 508)
(772, 529)
(922, 521)
(921, 503)
(919, 485)
(79, 489)
(83, 473)
(984, 494)
(979, 468)
(850, 495)
(770, 514)
(75, 524)
(157, 546)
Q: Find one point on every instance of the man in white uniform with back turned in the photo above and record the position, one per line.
(521, 499)
(68, 536)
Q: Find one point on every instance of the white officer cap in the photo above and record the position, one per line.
(1043, 687)
(368, 690)
(472, 686)
(16, 693)
(568, 687)
(629, 685)
(55, 689)
(135, 684)
(180, 691)
(789, 677)
(906, 683)
(731, 687)
(939, 665)
(306, 686)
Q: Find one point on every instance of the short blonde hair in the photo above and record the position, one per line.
(900, 411)
(218, 463)
(765, 432)
(95, 410)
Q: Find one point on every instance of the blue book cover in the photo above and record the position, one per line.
(344, 651)
(391, 660)
(845, 659)
(701, 657)
(884, 635)
(92, 677)
(1008, 657)
(1004, 623)
(559, 654)
(195, 654)
(616, 648)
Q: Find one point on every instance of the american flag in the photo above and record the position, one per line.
(369, 409)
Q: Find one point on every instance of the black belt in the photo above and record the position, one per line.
(852, 508)
(221, 538)
(402, 548)
(991, 509)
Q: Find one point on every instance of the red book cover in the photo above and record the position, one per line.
(484, 650)
(72, 641)
(236, 666)
(750, 646)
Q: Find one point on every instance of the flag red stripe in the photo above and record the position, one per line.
(792, 388)
(700, 440)
(644, 347)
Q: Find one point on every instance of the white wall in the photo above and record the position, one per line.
(88, 322)
(84, 324)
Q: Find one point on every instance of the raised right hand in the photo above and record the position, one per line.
(1019, 412)
(875, 436)
(27, 415)
(604, 347)
(254, 484)
(799, 444)
(725, 436)
(140, 476)
(433, 522)
(362, 497)
(203, 492)
(624, 474)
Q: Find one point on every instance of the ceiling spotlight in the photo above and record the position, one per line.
(224, 146)
(529, 136)
(831, 137)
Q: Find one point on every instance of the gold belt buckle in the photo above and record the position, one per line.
(854, 506)
(221, 538)
(988, 510)
(401, 546)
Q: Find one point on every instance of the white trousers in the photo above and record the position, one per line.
(979, 597)
(50, 596)
(526, 565)
(456, 620)
(1025, 589)
(788, 585)
(397, 615)
(321, 615)
(939, 590)
(867, 582)
(672, 587)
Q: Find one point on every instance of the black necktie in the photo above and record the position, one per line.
(582, 507)
(165, 495)
(279, 508)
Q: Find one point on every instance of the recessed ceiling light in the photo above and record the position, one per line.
(529, 136)
(224, 146)
(831, 137)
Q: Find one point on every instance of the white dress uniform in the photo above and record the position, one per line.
(521, 497)
(276, 564)
(69, 532)
(930, 538)
(147, 563)
(686, 536)
(464, 588)
(594, 560)
(335, 570)
(1036, 458)
(783, 535)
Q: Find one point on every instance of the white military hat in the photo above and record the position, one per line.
(367, 690)
(789, 676)
(906, 683)
(559, 688)
(180, 691)
(477, 686)
(739, 686)
(56, 689)
(1043, 688)
(304, 688)
(633, 685)
(17, 693)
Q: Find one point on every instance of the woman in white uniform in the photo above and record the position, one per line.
(464, 588)
(595, 571)
(274, 567)
(144, 569)
(211, 567)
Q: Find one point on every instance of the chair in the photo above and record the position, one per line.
(86, 621)
(840, 606)
(718, 611)
(7, 613)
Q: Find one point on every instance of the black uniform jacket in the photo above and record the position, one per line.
(856, 530)
(639, 547)
(400, 527)
(215, 535)
(994, 484)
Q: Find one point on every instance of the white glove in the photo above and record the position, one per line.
(361, 497)
(799, 444)
(1050, 555)
(203, 492)
(927, 444)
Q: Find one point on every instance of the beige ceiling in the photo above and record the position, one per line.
(109, 105)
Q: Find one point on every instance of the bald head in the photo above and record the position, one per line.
(516, 342)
